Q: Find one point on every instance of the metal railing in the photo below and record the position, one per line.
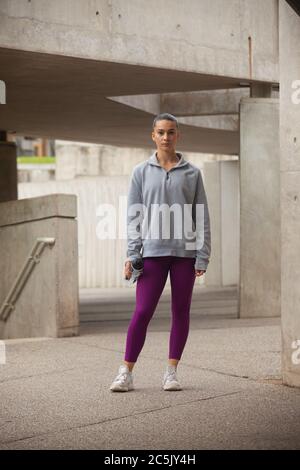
(31, 261)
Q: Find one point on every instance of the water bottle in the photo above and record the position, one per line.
(137, 269)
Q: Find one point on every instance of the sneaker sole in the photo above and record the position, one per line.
(172, 387)
(116, 389)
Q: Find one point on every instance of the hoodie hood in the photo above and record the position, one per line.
(153, 160)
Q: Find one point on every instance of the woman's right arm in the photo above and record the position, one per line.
(134, 221)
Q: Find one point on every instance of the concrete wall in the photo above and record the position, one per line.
(260, 213)
(208, 37)
(222, 188)
(78, 159)
(48, 304)
(8, 172)
(34, 173)
(75, 159)
(100, 261)
(290, 193)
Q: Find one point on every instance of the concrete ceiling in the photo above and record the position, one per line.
(67, 98)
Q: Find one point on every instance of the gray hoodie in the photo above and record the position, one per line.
(162, 206)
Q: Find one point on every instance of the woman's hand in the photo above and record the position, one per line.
(127, 270)
(199, 272)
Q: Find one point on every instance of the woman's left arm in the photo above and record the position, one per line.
(202, 223)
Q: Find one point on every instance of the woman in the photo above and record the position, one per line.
(165, 184)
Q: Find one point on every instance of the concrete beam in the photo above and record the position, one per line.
(98, 49)
(191, 100)
(203, 103)
(225, 122)
(206, 38)
(79, 110)
(149, 103)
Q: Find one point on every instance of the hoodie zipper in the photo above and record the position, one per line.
(167, 171)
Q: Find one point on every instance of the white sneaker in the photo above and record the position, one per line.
(170, 382)
(124, 380)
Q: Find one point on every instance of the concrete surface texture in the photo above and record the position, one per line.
(203, 103)
(223, 192)
(34, 173)
(260, 213)
(100, 261)
(107, 31)
(48, 303)
(290, 195)
(87, 46)
(75, 159)
(55, 393)
(81, 109)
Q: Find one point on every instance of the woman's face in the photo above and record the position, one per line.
(165, 135)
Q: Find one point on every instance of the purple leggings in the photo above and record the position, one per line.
(148, 291)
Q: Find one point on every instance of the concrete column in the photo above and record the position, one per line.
(230, 222)
(212, 182)
(260, 213)
(48, 302)
(222, 188)
(8, 171)
(289, 28)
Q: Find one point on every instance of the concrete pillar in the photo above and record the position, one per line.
(260, 214)
(212, 181)
(222, 188)
(48, 303)
(289, 28)
(230, 222)
(8, 171)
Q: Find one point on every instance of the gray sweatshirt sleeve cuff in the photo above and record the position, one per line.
(134, 257)
(201, 264)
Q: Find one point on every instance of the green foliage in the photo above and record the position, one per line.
(37, 160)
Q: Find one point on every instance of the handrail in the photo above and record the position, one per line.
(32, 260)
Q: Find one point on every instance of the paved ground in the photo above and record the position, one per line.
(55, 392)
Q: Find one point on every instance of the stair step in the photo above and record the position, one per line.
(94, 314)
(107, 304)
(128, 307)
